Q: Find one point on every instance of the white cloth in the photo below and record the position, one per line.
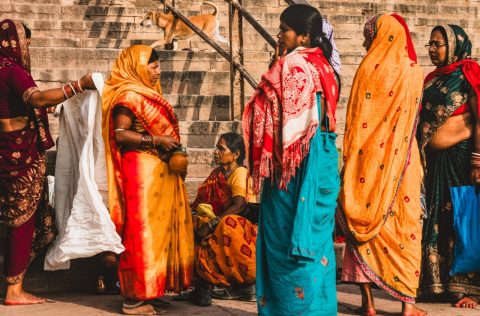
(81, 189)
(335, 58)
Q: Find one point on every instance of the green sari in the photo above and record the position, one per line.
(446, 89)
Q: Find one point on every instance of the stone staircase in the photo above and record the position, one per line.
(72, 37)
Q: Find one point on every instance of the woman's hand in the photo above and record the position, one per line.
(280, 51)
(475, 175)
(204, 231)
(166, 143)
(86, 82)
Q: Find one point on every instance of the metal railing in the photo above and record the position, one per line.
(238, 73)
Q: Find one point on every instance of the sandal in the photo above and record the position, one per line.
(141, 308)
(201, 296)
(246, 294)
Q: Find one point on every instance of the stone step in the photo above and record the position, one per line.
(200, 107)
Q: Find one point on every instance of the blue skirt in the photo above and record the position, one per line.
(295, 254)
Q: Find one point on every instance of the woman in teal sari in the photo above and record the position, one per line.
(289, 129)
(449, 138)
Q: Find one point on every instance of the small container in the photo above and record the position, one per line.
(178, 161)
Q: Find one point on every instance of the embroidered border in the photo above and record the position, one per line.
(452, 43)
(16, 278)
(28, 94)
(22, 38)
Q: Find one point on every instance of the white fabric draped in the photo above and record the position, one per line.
(81, 191)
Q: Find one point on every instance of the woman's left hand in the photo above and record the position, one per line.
(475, 175)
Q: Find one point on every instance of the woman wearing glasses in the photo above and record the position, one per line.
(449, 139)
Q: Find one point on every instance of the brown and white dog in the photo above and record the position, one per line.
(174, 28)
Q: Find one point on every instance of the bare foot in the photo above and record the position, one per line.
(22, 298)
(366, 311)
(466, 302)
(412, 310)
(368, 307)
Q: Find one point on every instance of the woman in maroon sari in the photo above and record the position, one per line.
(24, 138)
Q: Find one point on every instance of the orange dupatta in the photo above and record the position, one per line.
(379, 202)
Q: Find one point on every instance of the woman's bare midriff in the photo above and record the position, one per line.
(454, 130)
(13, 124)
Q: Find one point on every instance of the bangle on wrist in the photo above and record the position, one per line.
(73, 88)
(64, 93)
(147, 141)
(79, 86)
(68, 91)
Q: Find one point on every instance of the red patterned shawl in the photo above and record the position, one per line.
(282, 115)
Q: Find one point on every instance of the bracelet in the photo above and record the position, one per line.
(68, 91)
(211, 226)
(73, 89)
(79, 86)
(64, 93)
(147, 141)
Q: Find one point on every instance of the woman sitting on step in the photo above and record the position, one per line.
(225, 241)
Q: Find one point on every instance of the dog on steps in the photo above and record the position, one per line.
(174, 28)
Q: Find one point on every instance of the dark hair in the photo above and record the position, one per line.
(306, 20)
(28, 32)
(153, 57)
(235, 142)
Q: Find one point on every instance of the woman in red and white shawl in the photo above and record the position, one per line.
(290, 118)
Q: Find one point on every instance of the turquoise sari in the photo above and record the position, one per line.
(295, 254)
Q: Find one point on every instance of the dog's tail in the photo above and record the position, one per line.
(213, 5)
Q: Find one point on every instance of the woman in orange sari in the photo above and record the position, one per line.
(148, 202)
(226, 240)
(379, 202)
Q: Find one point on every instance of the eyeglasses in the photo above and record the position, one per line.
(435, 45)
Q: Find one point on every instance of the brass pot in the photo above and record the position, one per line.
(178, 161)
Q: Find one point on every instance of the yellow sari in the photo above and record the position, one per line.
(148, 204)
(379, 203)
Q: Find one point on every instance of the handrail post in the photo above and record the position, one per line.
(237, 86)
(207, 39)
(238, 5)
